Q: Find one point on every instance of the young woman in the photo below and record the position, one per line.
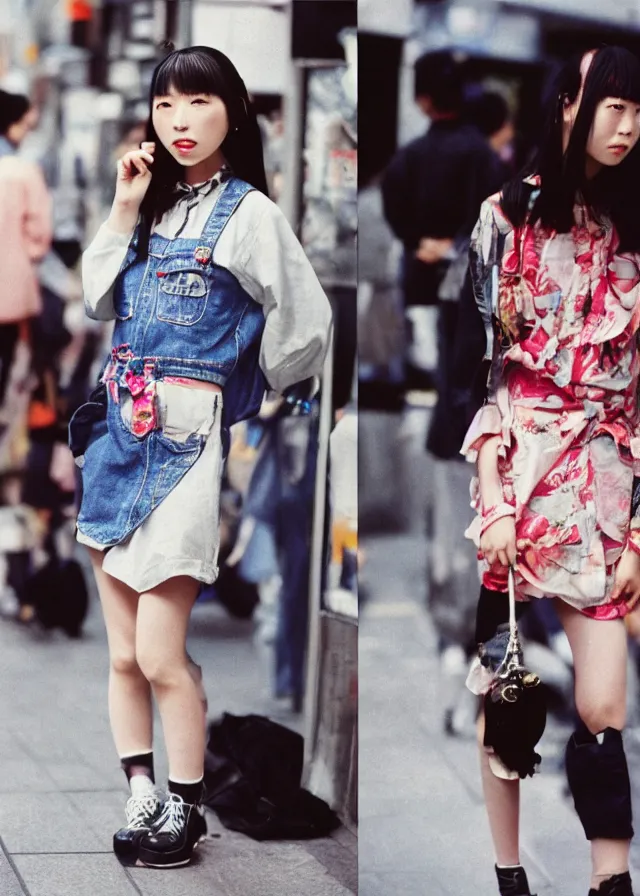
(555, 260)
(214, 301)
(25, 229)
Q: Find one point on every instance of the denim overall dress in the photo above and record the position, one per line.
(178, 315)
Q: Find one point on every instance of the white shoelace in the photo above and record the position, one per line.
(140, 810)
(173, 818)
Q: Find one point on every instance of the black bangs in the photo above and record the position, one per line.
(190, 73)
(614, 72)
(201, 70)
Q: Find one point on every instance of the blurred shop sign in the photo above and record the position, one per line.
(329, 221)
(621, 12)
(79, 10)
(486, 29)
(382, 17)
(254, 35)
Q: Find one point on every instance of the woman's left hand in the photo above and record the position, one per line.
(627, 581)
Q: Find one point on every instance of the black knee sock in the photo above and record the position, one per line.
(140, 764)
(190, 793)
(598, 777)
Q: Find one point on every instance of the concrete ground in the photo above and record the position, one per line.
(62, 793)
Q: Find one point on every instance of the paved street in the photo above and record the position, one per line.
(422, 828)
(62, 793)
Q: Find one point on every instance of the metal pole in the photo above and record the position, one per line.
(316, 558)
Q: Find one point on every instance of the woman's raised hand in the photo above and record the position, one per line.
(498, 542)
(627, 581)
(134, 175)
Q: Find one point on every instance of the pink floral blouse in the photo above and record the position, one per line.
(562, 396)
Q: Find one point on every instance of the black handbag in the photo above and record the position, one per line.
(515, 706)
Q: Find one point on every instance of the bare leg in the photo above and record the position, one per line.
(600, 660)
(130, 709)
(502, 799)
(163, 618)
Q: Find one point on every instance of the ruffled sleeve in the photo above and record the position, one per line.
(485, 253)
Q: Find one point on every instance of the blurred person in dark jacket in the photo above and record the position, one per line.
(432, 192)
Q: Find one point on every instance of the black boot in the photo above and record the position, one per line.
(618, 885)
(513, 882)
(141, 812)
(174, 835)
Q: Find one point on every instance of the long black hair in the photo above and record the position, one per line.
(191, 71)
(612, 193)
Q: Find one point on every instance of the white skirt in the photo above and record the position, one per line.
(181, 537)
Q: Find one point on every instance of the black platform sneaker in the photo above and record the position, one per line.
(513, 881)
(618, 885)
(141, 812)
(174, 835)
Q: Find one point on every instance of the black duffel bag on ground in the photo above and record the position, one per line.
(253, 769)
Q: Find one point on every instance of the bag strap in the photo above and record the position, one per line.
(514, 648)
(512, 603)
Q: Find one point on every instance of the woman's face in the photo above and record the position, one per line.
(615, 129)
(192, 128)
(614, 133)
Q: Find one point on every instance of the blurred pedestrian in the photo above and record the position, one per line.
(25, 230)
(432, 192)
(490, 114)
(214, 300)
(555, 260)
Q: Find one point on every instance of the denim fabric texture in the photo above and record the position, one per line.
(182, 535)
(178, 314)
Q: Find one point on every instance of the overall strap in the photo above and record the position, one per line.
(232, 194)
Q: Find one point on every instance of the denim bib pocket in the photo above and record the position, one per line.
(182, 297)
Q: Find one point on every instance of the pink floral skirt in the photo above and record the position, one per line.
(571, 492)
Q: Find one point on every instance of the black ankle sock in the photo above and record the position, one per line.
(141, 764)
(190, 793)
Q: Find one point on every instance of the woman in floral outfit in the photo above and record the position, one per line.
(555, 260)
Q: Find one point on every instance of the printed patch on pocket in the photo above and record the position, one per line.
(184, 283)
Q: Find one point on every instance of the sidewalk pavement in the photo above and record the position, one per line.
(423, 829)
(62, 792)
